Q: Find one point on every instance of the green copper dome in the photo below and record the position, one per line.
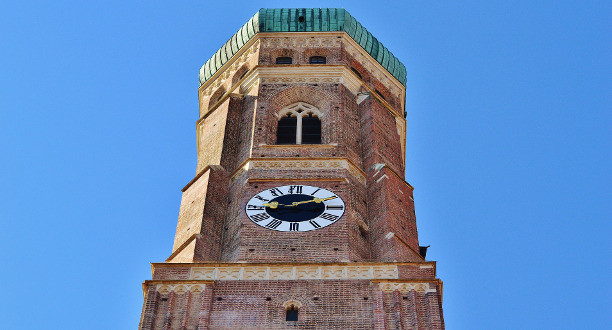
(304, 20)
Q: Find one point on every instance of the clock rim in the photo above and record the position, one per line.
(298, 231)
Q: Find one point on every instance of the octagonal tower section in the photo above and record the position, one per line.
(335, 70)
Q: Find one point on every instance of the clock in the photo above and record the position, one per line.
(295, 208)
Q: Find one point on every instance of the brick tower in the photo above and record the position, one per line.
(299, 214)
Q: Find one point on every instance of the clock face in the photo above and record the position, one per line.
(295, 208)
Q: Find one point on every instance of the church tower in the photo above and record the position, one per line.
(298, 214)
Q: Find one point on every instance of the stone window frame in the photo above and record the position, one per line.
(299, 110)
(293, 305)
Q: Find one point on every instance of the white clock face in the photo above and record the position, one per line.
(295, 208)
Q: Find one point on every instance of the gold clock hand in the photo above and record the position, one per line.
(316, 200)
(271, 205)
(274, 205)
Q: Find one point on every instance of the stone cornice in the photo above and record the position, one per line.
(423, 264)
(240, 272)
(299, 74)
(353, 167)
(375, 271)
(405, 285)
(310, 74)
(353, 48)
(312, 163)
(165, 287)
(293, 179)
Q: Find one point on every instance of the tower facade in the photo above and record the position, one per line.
(299, 214)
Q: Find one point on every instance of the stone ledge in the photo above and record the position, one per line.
(286, 272)
(292, 163)
(332, 145)
(181, 287)
(274, 264)
(405, 287)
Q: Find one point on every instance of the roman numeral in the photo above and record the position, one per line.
(335, 207)
(262, 199)
(273, 224)
(255, 207)
(329, 217)
(275, 192)
(294, 226)
(314, 224)
(295, 189)
(260, 217)
(314, 192)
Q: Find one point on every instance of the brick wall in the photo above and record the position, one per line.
(202, 217)
(321, 304)
(243, 127)
(236, 132)
(252, 243)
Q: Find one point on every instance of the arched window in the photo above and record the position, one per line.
(240, 73)
(292, 313)
(317, 60)
(284, 60)
(356, 72)
(299, 123)
(287, 129)
(216, 96)
(311, 129)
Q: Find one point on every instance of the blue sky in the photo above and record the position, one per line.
(508, 146)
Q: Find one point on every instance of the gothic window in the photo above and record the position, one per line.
(311, 129)
(318, 60)
(284, 60)
(287, 129)
(299, 123)
(292, 314)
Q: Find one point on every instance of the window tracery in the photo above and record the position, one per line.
(299, 123)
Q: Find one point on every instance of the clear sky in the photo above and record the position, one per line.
(508, 147)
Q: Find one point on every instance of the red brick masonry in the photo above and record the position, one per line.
(364, 271)
(174, 300)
